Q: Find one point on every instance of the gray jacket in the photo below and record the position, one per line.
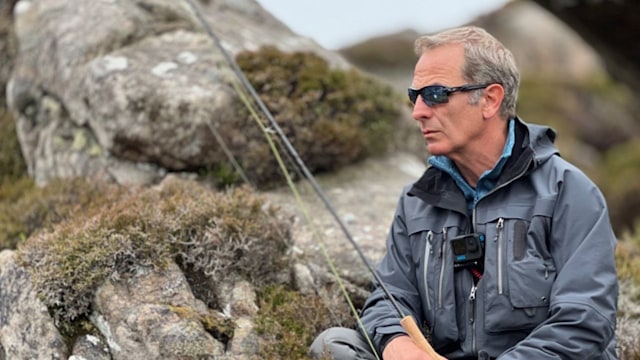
(549, 287)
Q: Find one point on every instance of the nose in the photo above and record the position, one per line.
(421, 111)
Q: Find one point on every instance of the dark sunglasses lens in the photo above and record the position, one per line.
(435, 95)
(413, 95)
(431, 95)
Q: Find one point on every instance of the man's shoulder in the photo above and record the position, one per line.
(558, 171)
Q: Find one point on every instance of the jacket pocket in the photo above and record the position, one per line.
(527, 303)
(520, 280)
(530, 282)
(434, 274)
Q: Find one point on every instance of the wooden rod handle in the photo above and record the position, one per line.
(410, 326)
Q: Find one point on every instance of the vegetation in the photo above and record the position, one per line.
(26, 209)
(332, 117)
(628, 257)
(11, 160)
(230, 233)
(628, 263)
(289, 321)
(619, 179)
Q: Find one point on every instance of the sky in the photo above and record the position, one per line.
(338, 23)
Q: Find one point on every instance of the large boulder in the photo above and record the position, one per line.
(130, 90)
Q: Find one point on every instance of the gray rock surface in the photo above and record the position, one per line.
(26, 329)
(365, 197)
(154, 316)
(127, 90)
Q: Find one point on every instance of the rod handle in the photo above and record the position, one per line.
(410, 326)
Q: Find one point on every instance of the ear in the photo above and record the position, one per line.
(491, 101)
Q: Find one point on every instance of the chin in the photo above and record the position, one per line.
(435, 150)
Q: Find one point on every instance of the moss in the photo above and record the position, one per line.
(11, 161)
(219, 175)
(232, 234)
(81, 326)
(25, 208)
(218, 326)
(288, 322)
(332, 117)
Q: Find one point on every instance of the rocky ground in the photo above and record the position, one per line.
(364, 196)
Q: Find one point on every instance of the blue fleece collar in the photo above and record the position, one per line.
(487, 180)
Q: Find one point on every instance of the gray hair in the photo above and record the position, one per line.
(486, 60)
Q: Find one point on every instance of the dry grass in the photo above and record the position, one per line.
(628, 262)
(221, 234)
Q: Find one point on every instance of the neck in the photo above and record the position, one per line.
(481, 155)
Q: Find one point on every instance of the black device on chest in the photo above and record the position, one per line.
(468, 250)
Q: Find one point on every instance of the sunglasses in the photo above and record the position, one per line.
(438, 94)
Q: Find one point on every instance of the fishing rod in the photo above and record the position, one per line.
(407, 321)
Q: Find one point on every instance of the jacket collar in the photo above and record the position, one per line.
(532, 142)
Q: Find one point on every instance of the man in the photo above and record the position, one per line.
(502, 249)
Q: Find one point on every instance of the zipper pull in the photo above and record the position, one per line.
(430, 241)
(472, 295)
(499, 226)
(444, 241)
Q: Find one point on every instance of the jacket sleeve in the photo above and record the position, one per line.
(397, 270)
(583, 302)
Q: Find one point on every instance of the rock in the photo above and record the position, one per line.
(89, 347)
(26, 329)
(369, 189)
(155, 316)
(543, 45)
(240, 301)
(127, 91)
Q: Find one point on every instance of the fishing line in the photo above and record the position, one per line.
(298, 198)
(407, 322)
(247, 85)
(228, 153)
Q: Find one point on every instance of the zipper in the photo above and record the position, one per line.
(428, 250)
(472, 319)
(500, 238)
(510, 181)
(443, 259)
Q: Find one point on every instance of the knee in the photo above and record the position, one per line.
(321, 346)
(338, 343)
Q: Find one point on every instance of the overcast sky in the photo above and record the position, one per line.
(338, 23)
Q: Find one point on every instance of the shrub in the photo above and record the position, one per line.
(234, 232)
(26, 209)
(288, 322)
(225, 236)
(332, 117)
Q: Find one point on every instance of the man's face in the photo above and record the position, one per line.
(450, 128)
